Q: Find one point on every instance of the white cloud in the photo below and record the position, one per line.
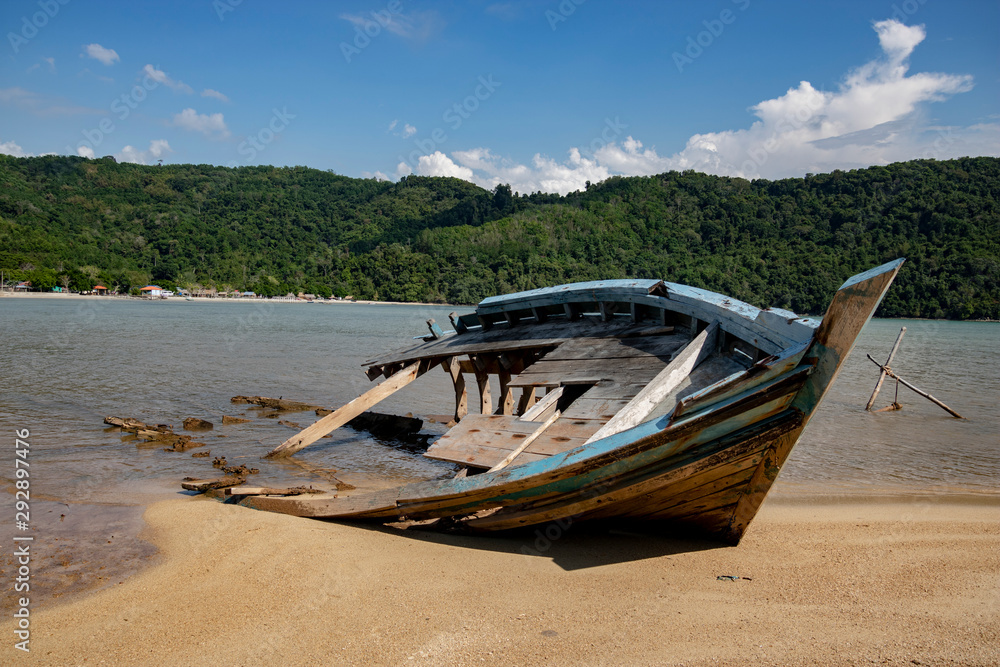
(12, 149)
(158, 148)
(392, 125)
(98, 52)
(160, 76)
(208, 92)
(408, 131)
(439, 164)
(212, 125)
(85, 151)
(875, 116)
(418, 26)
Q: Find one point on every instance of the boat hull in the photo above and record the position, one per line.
(707, 464)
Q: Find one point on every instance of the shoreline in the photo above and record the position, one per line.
(827, 581)
(61, 296)
(78, 297)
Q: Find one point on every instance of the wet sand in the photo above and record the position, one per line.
(867, 581)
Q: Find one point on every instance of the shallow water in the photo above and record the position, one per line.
(66, 365)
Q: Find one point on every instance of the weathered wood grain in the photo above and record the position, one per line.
(346, 413)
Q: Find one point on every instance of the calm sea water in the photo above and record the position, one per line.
(67, 364)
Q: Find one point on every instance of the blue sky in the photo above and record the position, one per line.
(544, 95)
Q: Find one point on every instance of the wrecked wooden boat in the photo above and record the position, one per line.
(618, 399)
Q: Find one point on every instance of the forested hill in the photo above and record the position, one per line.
(787, 243)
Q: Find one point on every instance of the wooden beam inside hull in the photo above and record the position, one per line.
(665, 382)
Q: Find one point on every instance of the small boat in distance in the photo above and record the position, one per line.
(663, 403)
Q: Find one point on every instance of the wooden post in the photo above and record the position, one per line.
(888, 371)
(435, 330)
(505, 403)
(453, 367)
(527, 400)
(882, 373)
(347, 412)
(483, 380)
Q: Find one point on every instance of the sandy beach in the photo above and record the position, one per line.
(866, 581)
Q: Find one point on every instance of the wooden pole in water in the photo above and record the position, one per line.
(887, 371)
(883, 373)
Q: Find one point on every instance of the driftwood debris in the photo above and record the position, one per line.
(240, 470)
(182, 445)
(888, 371)
(195, 424)
(268, 491)
(274, 403)
(194, 484)
(134, 425)
(226, 419)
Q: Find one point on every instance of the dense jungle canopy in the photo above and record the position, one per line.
(790, 243)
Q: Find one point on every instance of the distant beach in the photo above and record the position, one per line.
(69, 296)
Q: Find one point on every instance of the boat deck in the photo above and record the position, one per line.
(598, 377)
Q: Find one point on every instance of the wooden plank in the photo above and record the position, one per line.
(347, 412)
(662, 347)
(594, 408)
(548, 401)
(763, 371)
(482, 441)
(501, 339)
(587, 499)
(669, 378)
(525, 443)
(545, 373)
(640, 504)
(735, 415)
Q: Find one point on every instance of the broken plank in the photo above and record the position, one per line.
(660, 387)
(525, 443)
(349, 411)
